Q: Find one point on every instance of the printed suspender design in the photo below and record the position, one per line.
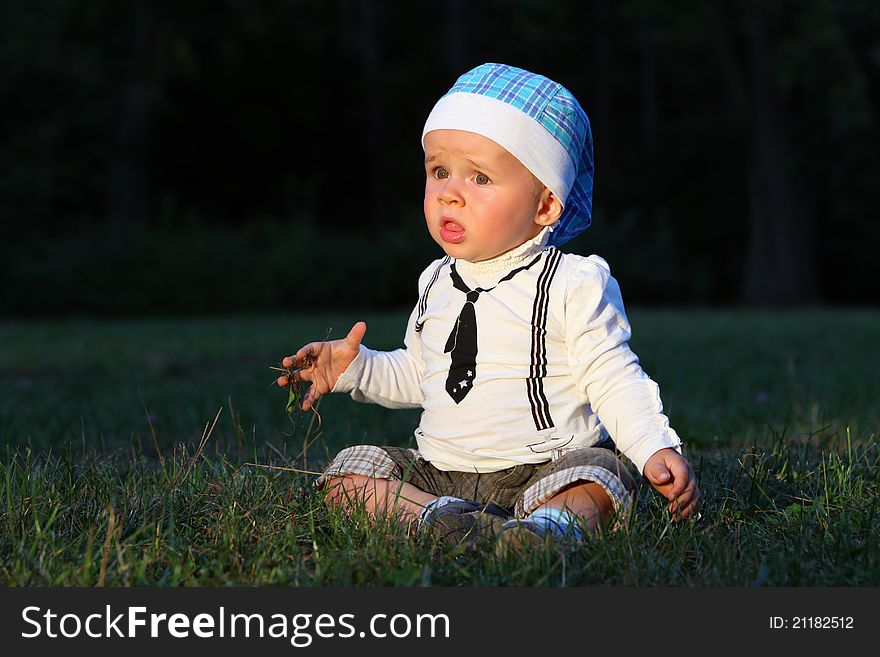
(462, 342)
(538, 370)
(423, 302)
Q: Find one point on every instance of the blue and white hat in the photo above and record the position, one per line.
(539, 122)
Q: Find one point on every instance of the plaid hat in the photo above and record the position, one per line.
(539, 122)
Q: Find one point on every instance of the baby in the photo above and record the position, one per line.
(516, 352)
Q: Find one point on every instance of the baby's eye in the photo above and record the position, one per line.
(482, 179)
(440, 173)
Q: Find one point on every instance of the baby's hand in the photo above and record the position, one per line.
(322, 363)
(674, 478)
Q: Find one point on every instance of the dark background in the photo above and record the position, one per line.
(204, 157)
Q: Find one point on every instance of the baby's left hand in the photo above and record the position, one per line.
(674, 478)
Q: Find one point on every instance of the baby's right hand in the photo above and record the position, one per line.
(322, 363)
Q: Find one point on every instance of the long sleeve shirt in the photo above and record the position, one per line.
(554, 370)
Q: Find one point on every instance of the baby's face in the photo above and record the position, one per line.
(480, 201)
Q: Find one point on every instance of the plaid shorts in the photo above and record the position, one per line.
(521, 489)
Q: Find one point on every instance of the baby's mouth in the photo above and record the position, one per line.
(451, 231)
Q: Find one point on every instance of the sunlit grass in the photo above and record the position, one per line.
(779, 412)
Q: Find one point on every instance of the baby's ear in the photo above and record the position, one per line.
(549, 208)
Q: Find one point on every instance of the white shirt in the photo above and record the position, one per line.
(518, 410)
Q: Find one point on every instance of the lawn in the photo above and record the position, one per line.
(113, 471)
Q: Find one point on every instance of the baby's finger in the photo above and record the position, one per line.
(356, 335)
(681, 478)
(308, 354)
(311, 396)
(677, 490)
(297, 376)
(676, 507)
(298, 359)
(689, 511)
(683, 500)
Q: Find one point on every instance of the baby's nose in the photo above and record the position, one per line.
(450, 192)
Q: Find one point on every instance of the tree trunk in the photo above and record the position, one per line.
(778, 257)
(779, 264)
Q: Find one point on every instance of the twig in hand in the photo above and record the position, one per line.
(294, 392)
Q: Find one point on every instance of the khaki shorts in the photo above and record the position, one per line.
(520, 489)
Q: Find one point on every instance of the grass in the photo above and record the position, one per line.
(113, 472)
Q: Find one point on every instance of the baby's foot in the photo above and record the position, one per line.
(517, 536)
(464, 522)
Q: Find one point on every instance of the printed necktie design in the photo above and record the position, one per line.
(462, 340)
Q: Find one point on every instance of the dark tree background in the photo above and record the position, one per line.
(162, 157)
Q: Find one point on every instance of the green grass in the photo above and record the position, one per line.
(104, 477)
